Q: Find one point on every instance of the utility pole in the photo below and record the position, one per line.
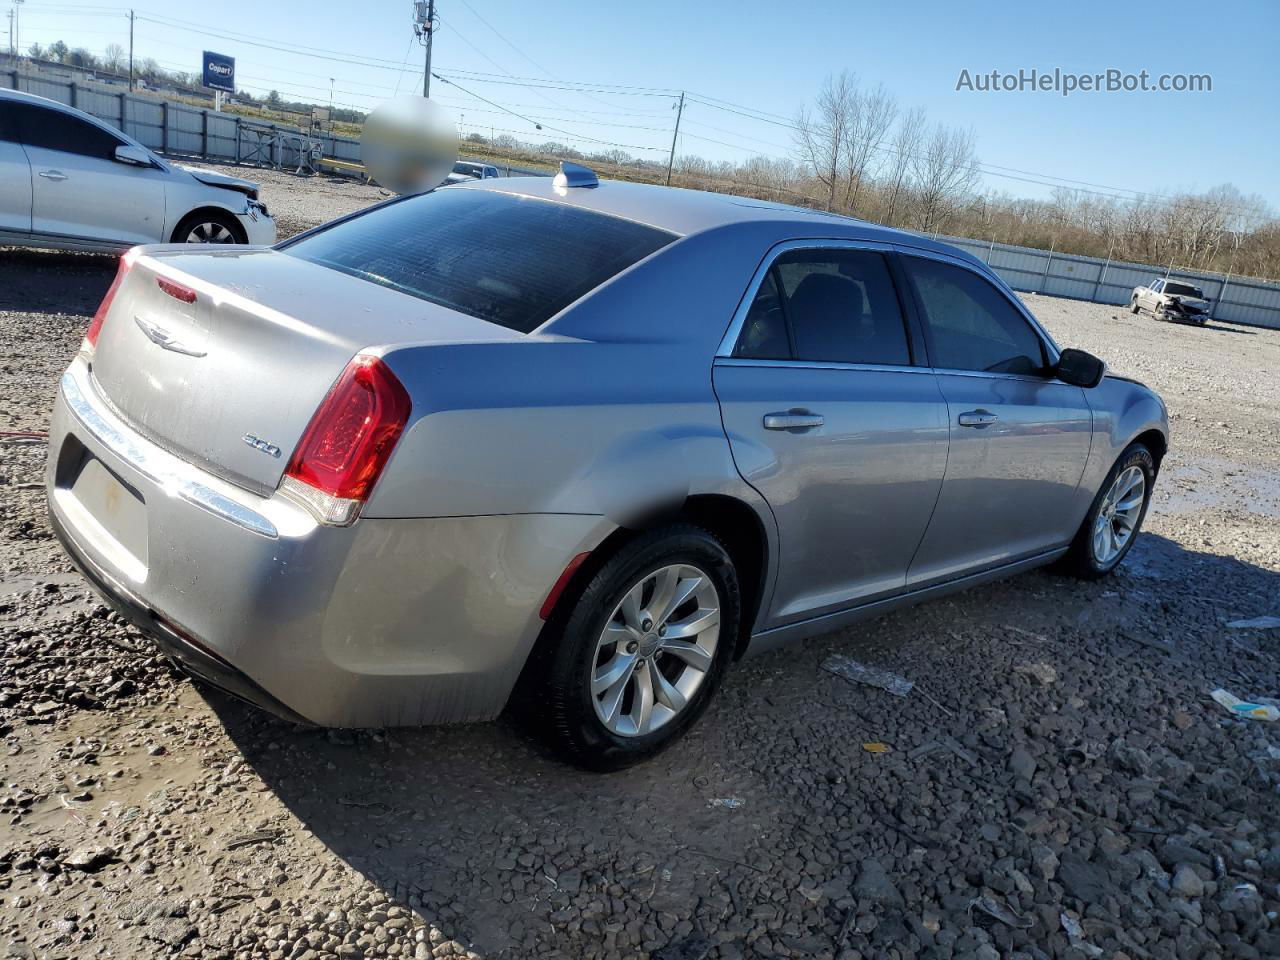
(131, 51)
(13, 50)
(424, 24)
(672, 158)
(331, 100)
(17, 33)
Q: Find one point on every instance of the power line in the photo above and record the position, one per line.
(541, 126)
(585, 88)
(501, 36)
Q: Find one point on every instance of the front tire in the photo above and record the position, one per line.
(209, 226)
(1115, 517)
(633, 660)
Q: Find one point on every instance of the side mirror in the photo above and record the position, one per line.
(1079, 369)
(134, 156)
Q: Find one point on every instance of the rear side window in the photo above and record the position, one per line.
(831, 306)
(514, 261)
(970, 324)
(55, 130)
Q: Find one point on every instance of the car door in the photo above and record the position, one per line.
(15, 176)
(78, 189)
(1019, 437)
(832, 420)
(1151, 295)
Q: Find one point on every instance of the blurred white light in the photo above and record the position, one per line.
(409, 144)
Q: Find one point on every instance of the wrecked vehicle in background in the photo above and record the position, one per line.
(1177, 301)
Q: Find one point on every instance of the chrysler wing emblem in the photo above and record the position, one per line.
(165, 340)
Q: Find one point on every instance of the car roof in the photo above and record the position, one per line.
(685, 212)
(8, 94)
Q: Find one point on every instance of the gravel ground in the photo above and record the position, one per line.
(1058, 784)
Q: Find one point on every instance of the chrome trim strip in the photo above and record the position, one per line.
(152, 465)
(988, 375)
(819, 365)
(730, 337)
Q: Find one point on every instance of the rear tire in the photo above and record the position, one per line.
(1108, 531)
(209, 226)
(1133, 305)
(595, 658)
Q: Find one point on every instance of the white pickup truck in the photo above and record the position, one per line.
(1174, 300)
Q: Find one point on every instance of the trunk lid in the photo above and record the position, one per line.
(230, 381)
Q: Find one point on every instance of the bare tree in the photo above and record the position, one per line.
(113, 57)
(872, 115)
(902, 148)
(945, 169)
(821, 136)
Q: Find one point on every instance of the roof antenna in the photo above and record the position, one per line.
(575, 175)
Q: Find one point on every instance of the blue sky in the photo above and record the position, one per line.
(772, 57)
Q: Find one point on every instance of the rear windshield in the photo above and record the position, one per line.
(514, 261)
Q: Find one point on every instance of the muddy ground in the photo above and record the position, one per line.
(1058, 784)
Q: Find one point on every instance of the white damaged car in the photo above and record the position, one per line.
(69, 181)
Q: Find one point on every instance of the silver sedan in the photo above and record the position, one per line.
(570, 446)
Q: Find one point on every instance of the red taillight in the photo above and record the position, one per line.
(95, 326)
(176, 290)
(352, 434)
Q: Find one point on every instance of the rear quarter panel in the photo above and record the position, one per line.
(608, 409)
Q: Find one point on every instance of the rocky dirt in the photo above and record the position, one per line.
(1057, 784)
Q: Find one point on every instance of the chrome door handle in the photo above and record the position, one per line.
(978, 418)
(792, 420)
(53, 174)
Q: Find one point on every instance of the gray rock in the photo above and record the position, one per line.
(1045, 861)
(1022, 764)
(1128, 758)
(1186, 882)
(1084, 881)
(873, 883)
(89, 858)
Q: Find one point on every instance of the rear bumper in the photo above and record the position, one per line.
(185, 652)
(388, 622)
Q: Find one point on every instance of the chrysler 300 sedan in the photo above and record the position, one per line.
(573, 445)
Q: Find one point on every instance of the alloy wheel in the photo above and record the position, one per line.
(656, 650)
(210, 232)
(1118, 515)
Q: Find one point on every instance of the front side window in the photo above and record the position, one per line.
(829, 306)
(8, 128)
(514, 261)
(55, 130)
(1156, 285)
(970, 324)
